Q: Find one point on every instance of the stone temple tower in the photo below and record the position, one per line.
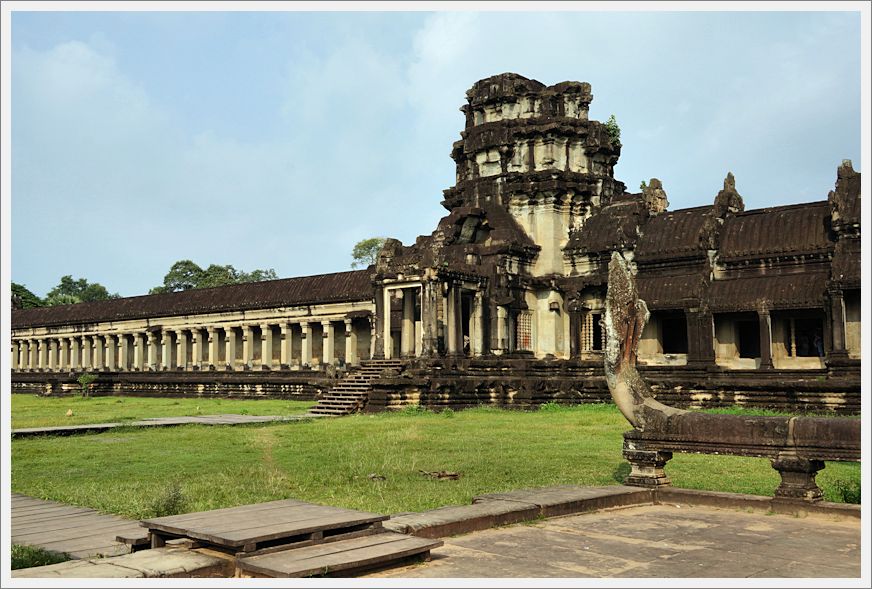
(532, 149)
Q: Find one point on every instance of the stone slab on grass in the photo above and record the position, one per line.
(158, 562)
(570, 499)
(460, 519)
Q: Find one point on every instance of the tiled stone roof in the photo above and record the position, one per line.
(795, 229)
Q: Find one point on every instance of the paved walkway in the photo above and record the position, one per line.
(224, 419)
(77, 531)
(653, 541)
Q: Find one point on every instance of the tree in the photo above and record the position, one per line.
(71, 290)
(22, 298)
(366, 251)
(613, 129)
(186, 275)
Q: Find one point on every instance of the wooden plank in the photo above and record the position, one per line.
(111, 529)
(178, 519)
(346, 555)
(40, 516)
(275, 531)
(74, 521)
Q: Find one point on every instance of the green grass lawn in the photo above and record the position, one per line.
(136, 473)
(36, 411)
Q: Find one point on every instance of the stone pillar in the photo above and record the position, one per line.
(266, 347)
(429, 318)
(454, 326)
(306, 344)
(98, 349)
(168, 351)
(153, 352)
(838, 347)
(378, 344)
(32, 355)
(138, 351)
(230, 347)
(350, 344)
(797, 477)
(181, 350)
(407, 333)
(111, 348)
(286, 349)
(42, 355)
(63, 354)
(52, 355)
(87, 352)
(124, 351)
(700, 338)
(75, 355)
(213, 347)
(477, 346)
(765, 339)
(15, 354)
(23, 355)
(647, 467)
(386, 325)
(328, 355)
(196, 348)
(247, 347)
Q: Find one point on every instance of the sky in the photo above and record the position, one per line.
(280, 139)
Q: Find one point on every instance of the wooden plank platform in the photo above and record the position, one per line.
(78, 531)
(248, 528)
(342, 556)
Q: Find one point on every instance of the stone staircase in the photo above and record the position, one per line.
(351, 393)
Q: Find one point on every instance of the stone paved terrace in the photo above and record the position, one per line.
(653, 541)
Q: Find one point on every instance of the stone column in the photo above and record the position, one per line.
(765, 339)
(23, 354)
(32, 355)
(167, 350)
(181, 349)
(75, 355)
(153, 352)
(378, 344)
(429, 318)
(454, 326)
(98, 345)
(87, 352)
(42, 355)
(15, 354)
(700, 338)
(230, 347)
(286, 343)
(386, 325)
(503, 329)
(213, 347)
(266, 343)
(63, 354)
(477, 346)
(837, 320)
(306, 344)
(124, 351)
(350, 344)
(328, 349)
(247, 347)
(407, 328)
(111, 347)
(196, 348)
(52, 355)
(138, 351)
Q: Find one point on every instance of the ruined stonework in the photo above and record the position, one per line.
(504, 301)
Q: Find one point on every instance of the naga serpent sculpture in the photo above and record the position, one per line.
(797, 446)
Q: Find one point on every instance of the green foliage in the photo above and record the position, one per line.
(72, 290)
(187, 275)
(85, 379)
(847, 491)
(448, 413)
(643, 186)
(22, 298)
(551, 406)
(366, 251)
(413, 410)
(613, 129)
(24, 557)
(169, 501)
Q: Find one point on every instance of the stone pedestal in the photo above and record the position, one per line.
(797, 478)
(647, 468)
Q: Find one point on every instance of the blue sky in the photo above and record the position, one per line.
(279, 140)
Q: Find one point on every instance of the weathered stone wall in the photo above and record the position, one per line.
(302, 386)
(526, 384)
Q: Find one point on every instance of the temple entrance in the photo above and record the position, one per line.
(466, 304)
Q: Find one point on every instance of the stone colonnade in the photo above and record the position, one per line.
(263, 345)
